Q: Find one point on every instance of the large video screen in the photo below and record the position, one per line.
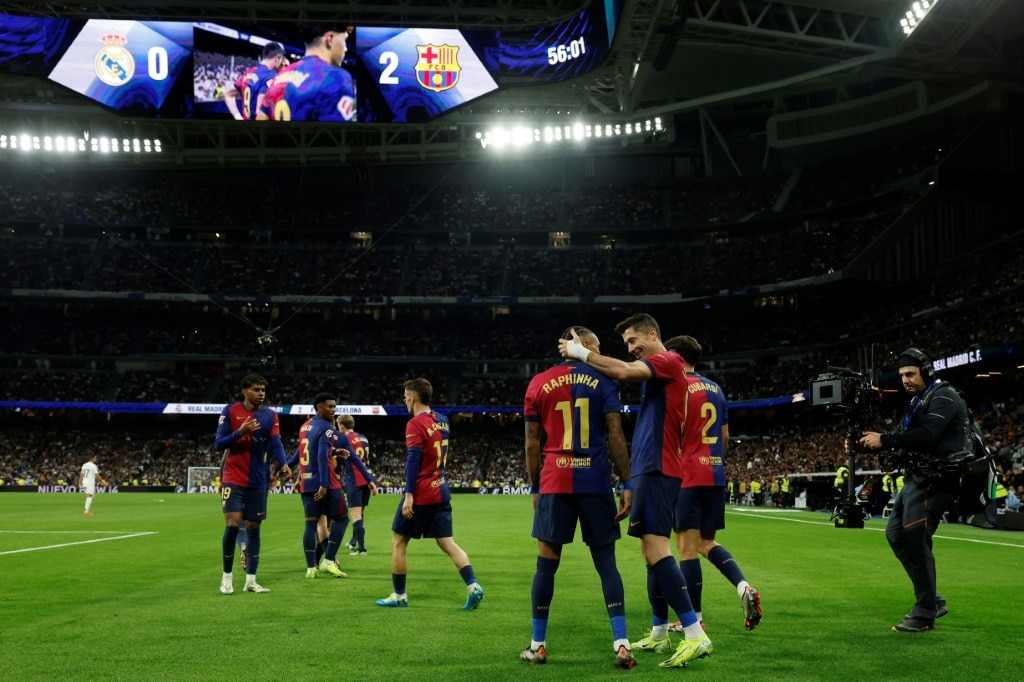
(565, 50)
(173, 69)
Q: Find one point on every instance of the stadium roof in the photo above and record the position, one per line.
(798, 72)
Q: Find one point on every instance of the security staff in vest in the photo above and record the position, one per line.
(784, 487)
(934, 426)
(842, 475)
(888, 485)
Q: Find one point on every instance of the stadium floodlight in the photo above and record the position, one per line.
(86, 142)
(913, 17)
(500, 137)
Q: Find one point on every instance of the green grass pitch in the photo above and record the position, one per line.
(131, 593)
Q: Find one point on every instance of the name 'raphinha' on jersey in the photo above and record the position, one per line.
(572, 378)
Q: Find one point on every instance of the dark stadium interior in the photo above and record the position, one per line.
(782, 224)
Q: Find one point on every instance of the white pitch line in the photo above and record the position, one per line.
(878, 530)
(68, 532)
(72, 544)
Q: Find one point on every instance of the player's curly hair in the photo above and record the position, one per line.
(321, 398)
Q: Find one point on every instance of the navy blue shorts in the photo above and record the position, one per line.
(428, 521)
(555, 520)
(360, 497)
(702, 508)
(252, 502)
(332, 506)
(654, 504)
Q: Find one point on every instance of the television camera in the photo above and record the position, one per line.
(853, 394)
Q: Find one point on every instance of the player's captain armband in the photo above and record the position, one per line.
(347, 107)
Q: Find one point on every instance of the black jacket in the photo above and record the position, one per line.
(935, 425)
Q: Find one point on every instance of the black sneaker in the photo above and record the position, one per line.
(914, 625)
(940, 609)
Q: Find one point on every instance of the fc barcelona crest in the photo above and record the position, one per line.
(438, 67)
(114, 64)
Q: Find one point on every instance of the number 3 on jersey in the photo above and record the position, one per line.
(583, 405)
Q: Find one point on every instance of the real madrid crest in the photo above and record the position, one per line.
(438, 67)
(114, 64)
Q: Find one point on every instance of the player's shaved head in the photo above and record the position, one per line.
(581, 332)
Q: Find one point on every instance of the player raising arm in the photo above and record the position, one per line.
(656, 469)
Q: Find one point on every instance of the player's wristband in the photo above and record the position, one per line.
(534, 490)
(576, 351)
(627, 485)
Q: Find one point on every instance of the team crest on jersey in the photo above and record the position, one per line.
(438, 67)
(114, 64)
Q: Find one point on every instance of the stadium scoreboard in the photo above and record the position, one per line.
(175, 69)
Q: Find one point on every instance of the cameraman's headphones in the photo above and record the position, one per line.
(927, 368)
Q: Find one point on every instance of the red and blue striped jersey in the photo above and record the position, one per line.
(310, 90)
(570, 401)
(703, 437)
(317, 442)
(247, 464)
(426, 436)
(657, 437)
(354, 476)
(251, 85)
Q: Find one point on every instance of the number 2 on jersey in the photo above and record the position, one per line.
(710, 415)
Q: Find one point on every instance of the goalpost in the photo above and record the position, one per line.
(201, 479)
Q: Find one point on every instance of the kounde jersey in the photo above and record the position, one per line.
(703, 437)
(310, 90)
(427, 433)
(570, 401)
(657, 437)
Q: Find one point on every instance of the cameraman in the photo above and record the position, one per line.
(935, 425)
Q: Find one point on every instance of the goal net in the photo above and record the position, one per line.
(202, 479)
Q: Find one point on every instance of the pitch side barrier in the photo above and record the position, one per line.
(307, 410)
(100, 489)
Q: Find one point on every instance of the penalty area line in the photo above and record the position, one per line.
(81, 542)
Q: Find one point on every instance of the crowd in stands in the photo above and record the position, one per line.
(754, 352)
(764, 446)
(158, 232)
(703, 242)
(213, 70)
(717, 261)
